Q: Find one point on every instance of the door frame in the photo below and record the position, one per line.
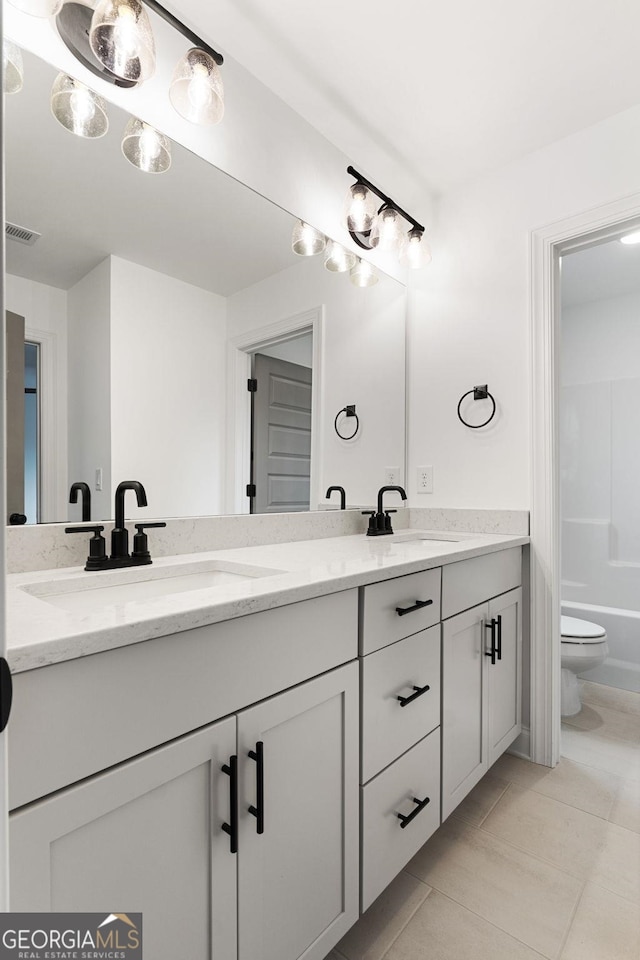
(547, 245)
(238, 443)
(52, 457)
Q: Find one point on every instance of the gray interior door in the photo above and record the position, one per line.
(281, 435)
(15, 414)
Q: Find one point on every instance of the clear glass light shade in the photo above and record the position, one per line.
(12, 70)
(306, 241)
(196, 90)
(38, 8)
(360, 209)
(338, 260)
(363, 274)
(386, 232)
(122, 40)
(415, 251)
(145, 147)
(631, 238)
(77, 108)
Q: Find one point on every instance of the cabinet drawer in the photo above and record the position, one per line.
(469, 582)
(386, 845)
(388, 728)
(380, 621)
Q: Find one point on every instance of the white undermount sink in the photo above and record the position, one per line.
(87, 592)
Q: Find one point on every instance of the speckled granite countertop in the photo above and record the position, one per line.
(42, 629)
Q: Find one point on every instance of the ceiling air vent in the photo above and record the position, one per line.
(21, 234)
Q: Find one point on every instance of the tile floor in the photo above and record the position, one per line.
(535, 863)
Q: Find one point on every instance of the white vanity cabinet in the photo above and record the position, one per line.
(147, 834)
(481, 669)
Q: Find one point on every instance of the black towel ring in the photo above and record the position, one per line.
(479, 393)
(349, 411)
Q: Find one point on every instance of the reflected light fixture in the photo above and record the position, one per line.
(77, 108)
(382, 228)
(38, 8)
(338, 260)
(122, 40)
(306, 241)
(12, 69)
(631, 238)
(196, 90)
(145, 147)
(363, 274)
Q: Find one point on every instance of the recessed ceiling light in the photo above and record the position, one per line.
(631, 238)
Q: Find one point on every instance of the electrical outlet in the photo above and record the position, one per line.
(392, 475)
(425, 479)
(99, 478)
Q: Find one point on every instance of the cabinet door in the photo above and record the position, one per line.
(145, 836)
(505, 676)
(464, 759)
(298, 879)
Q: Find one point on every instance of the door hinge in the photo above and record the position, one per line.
(6, 693)
(251, 489)
(252, 385)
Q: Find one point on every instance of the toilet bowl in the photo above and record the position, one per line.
(583, 646)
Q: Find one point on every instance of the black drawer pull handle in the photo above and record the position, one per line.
(406, 820)
(414, 696)
(231, 769)
(499, 644)
(417, 606)
(492, 653)
(258, 810)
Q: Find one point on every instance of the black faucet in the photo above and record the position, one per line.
(82, 488)
(343, 496)
(380, 522)
(120, 534)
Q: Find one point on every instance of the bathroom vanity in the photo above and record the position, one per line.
(250, 764)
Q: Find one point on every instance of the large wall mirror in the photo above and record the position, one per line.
(138, 315)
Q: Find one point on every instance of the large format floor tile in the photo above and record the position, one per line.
(444, 930)
(581, 786)
(618, 757)
(376, 929)
(479, 803)
(603, 720)
(615, 699)
(605, 927)
(529, 899)
(626, 807)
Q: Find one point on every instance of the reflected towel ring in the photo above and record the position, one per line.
(349, 411)
(479, 393)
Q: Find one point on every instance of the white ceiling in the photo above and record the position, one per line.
(439, 90)
(194, 222)
(602, 272)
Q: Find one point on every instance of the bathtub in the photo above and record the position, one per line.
(622, 666)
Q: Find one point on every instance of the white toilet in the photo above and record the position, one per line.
(583, 647)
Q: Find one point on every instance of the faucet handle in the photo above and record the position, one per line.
(140, 542)
(97, 551)
(372, 521)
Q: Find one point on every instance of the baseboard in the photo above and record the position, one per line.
(521, 746)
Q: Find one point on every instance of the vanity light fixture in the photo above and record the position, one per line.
(383, 228)
(338, 259)
(145, 147)
(196, 90)
(631, 238)
(306, 241)
(12, 69)
(38, 8)
(363, 274)
(122, 40)
(77, 108)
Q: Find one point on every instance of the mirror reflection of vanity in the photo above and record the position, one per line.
(148, 296)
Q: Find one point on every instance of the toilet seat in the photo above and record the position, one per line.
(580, 631)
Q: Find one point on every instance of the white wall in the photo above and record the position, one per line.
(600, 452)
(167, 391)
(45, 309)
(89, 306)
(469, 311)
(362, 363)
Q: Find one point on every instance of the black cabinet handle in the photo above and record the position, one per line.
(258, 810)
(491, 653)
(499, 644)
(414, 696)
(406, 820)
(231, 769)
(417, 606)
(6, 693)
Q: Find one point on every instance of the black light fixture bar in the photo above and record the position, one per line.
(186, 32)
(385, 199)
